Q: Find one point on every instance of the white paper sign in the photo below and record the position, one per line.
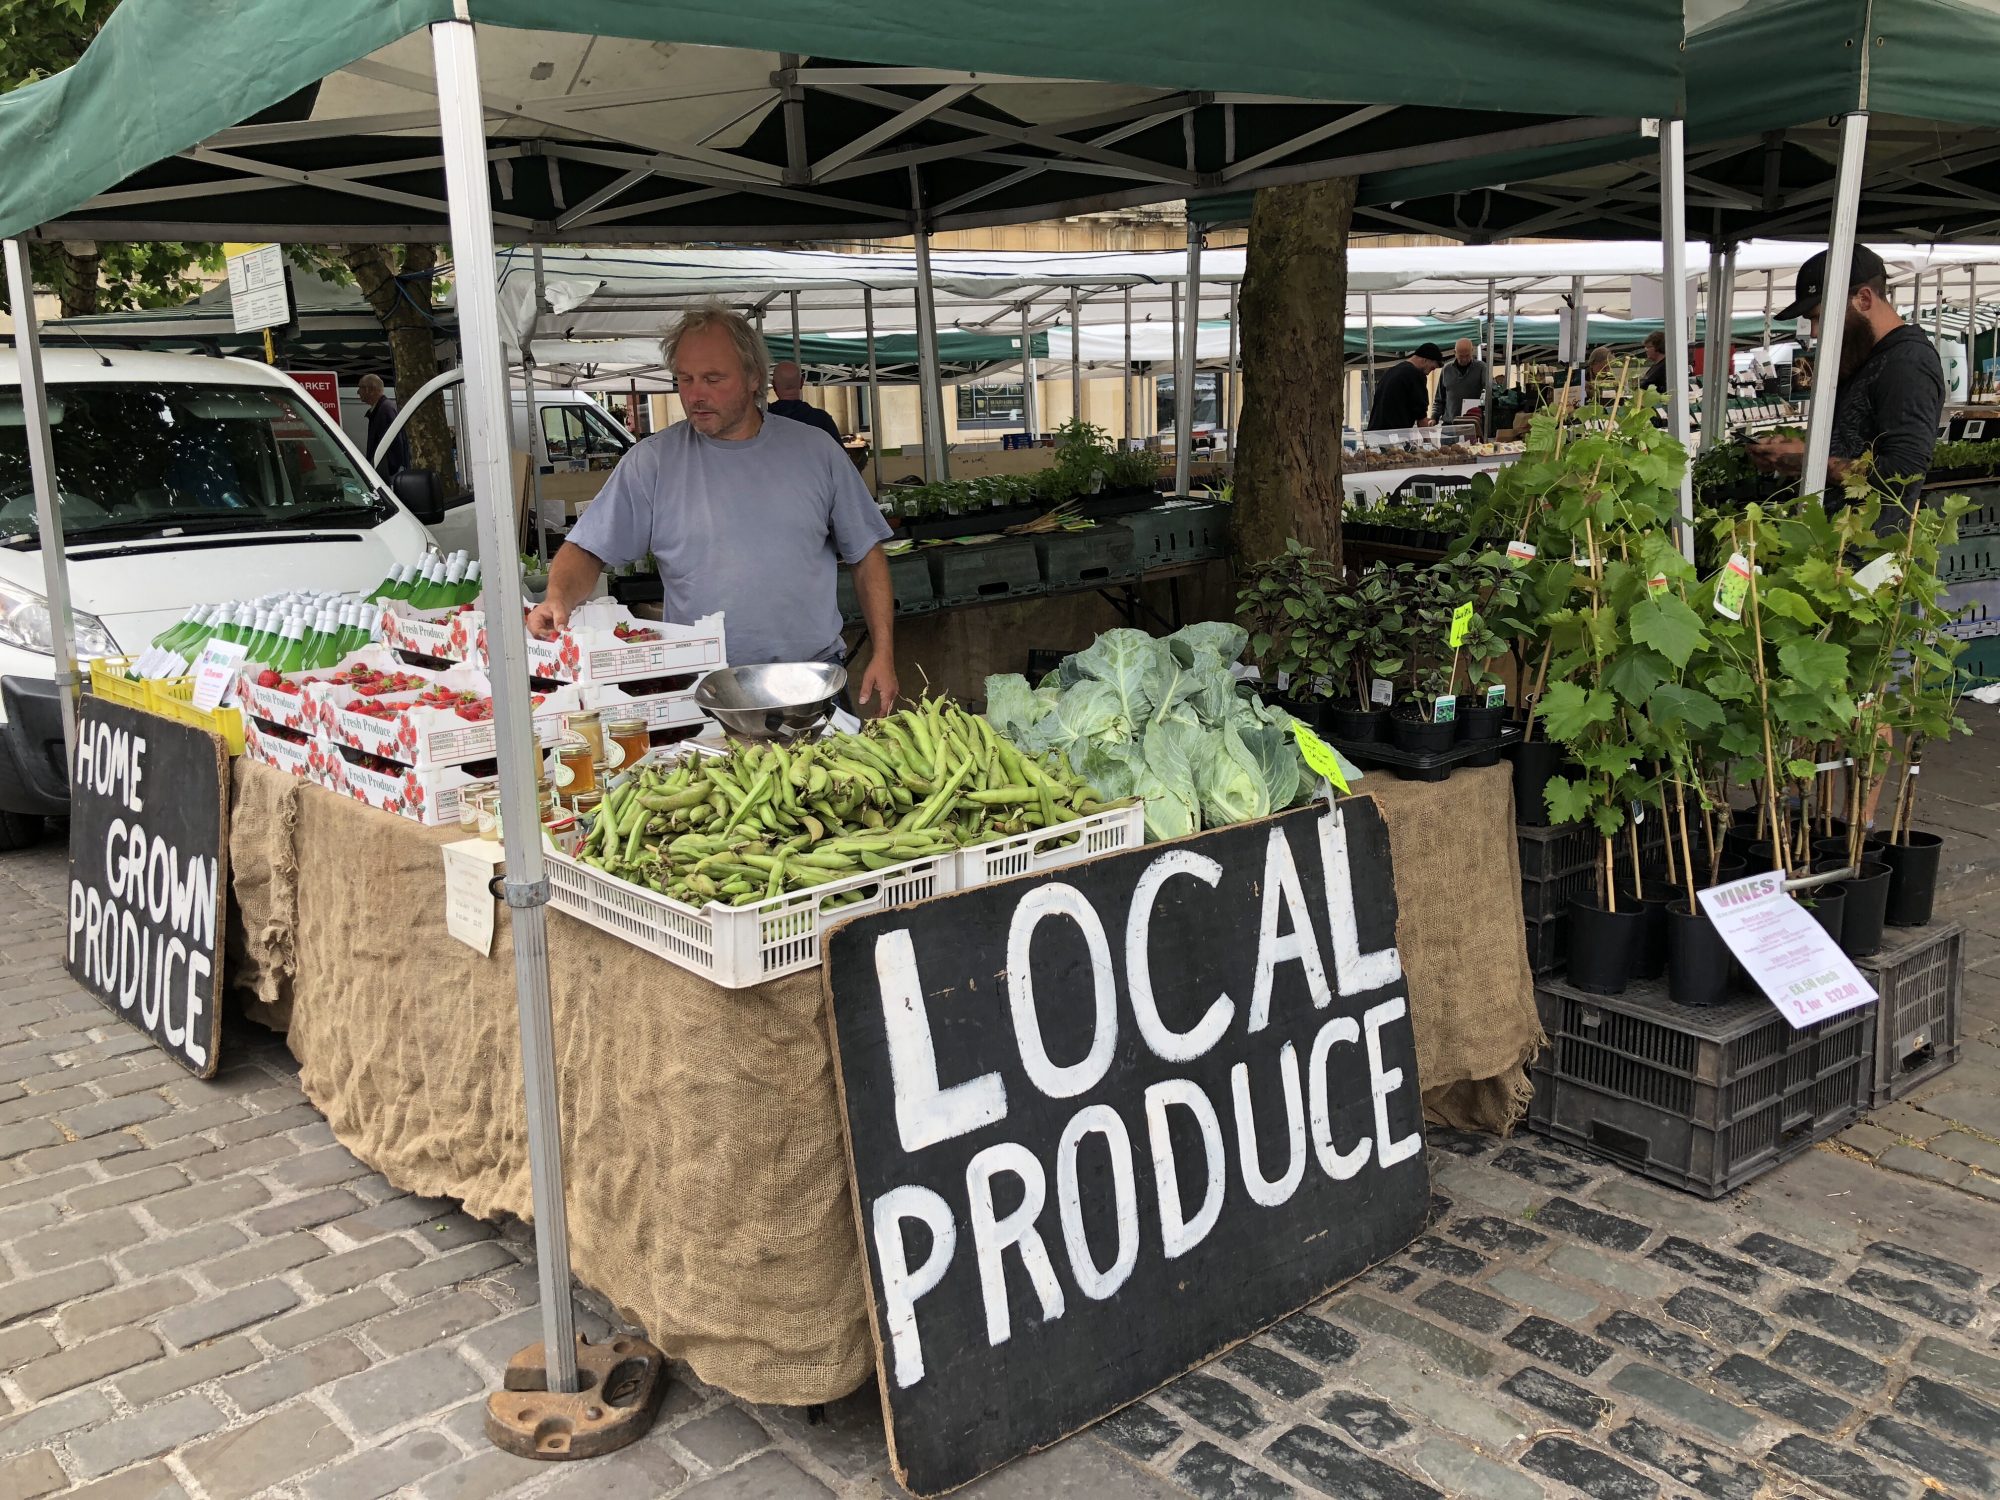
(215, 673)
(469, 866)
(256, 286)
(1785, 950)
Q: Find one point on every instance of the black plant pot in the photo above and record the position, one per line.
(1478, 722)
(1421, 736)
(1603, 945)
(1345, 722)
(1829, 907)
(1649, 958)
(1754, 849)
(1699, 962)
(1867, 906)
(1535, 761)
(1871, 848)
(1733, 867)
(1913, 873)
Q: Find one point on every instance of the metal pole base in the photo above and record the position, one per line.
(620, 1387)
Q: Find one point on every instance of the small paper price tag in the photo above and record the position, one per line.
(1496, 695)
(1732, 588)
(1885, 569)
(1446, 711)
(1461, 622)
(1657, 584)
(1520, 552)
(1318, 755)
(215, 672)
(1382, 691)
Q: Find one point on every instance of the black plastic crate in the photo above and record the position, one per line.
(909, 577)
(1543, 899)
(1920, 975)
(1082, 559)
(1547, 853)
(984, 573)
(1700, 1099)
(1169, 535)
(1548, 945)
(1425, 765)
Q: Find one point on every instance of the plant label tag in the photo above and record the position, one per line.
(1319, 755)
(1520, 552)
(1461, 622)
(1382, 691)
(215, 673)
(1638, 811)
(1885, 569)
(1496, 695)
(1657, 584)
(1732, 587)
(1446, 711)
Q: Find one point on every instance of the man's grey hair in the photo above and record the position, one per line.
(743, 334)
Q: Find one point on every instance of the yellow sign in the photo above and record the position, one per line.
(1461, 623)
(1319, 755)
(233, 248)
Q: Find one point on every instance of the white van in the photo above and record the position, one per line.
(577, 433)
(184, 480)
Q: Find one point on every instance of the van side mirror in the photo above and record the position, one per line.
(420, 493)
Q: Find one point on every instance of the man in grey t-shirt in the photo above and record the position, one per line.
(1461, 378)
(745, 515)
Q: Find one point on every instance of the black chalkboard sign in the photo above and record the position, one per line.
(148, 858)
(1106, 1122)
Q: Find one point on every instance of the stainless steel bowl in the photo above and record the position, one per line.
(779, 701)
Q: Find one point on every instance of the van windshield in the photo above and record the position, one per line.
(138, 459)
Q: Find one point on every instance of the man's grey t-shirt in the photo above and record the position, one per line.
(752, 528)
(1458, 384)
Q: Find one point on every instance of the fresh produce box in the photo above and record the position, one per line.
(664, 703)
(732, 864)
(430, 797)
(605, 643)
(448, 634)
(289, 750)
(448, 722)
(297, 700)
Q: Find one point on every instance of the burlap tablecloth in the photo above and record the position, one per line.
(707, 1181)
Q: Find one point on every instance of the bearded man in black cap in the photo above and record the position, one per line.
(1403, 394)
(1889, 397)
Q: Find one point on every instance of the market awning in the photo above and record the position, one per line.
(621, 121)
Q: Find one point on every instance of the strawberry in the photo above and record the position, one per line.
(269, 679)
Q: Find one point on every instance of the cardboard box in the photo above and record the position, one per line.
(306, 709)
(675, 710)
(423, 735)
(430, 797)
(303, 760)
(592, 651)
(447, 634)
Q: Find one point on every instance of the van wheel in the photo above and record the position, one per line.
(19, 830)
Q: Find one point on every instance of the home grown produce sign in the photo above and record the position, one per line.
(148, 851)
(1105, 1126)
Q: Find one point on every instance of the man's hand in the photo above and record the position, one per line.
(1778, 455)
(878, 684)
(547, 619)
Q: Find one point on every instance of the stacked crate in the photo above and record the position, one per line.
(1558, 864)
(1919, 973)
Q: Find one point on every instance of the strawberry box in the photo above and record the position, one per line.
(288, 750)
(448, 634)
(297, 700)
(448, 722)
(430, 797)
(639, 698)
(605, 643)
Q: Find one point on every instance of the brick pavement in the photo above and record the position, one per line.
(203, 1295)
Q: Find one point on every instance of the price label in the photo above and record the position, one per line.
(1446, 711)
(1382, 691)
(215, 673)
(1496, 695)
(1461, 622)
(1732, 589)
(1657, 584)
(1520, 552)
(1319, 755)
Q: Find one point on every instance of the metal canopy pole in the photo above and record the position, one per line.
(1486, 400)
(1232, 377)
(1674, 304)
(929, 377)
(1184, 377)
(874, 386)
(1075, 360)
(1129, 433)
(537, 442)
(1711, 375)
(1770, 287)
(1832, 322)
(42, 465)
(1513, 382)
(795, 328)
(1971, 329)
(1031, 395)
(1368, 375)
(526, 884)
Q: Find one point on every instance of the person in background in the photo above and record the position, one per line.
(1462, 379)
(1403, 395)
(787, 381)
(381, 412)
(1656, 362)
(745, 514)
(1888, 394)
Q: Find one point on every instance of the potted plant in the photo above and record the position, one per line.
(1423, 719)
(1286, 605)
(1361, 646)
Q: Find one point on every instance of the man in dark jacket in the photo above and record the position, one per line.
(788, 382)
(1403, 394)
(1889, 396)
(381, 412)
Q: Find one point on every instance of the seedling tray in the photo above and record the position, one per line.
(1421, 765)
(1167, 536)
(909, 580)
(1084, 559)
(987, 573)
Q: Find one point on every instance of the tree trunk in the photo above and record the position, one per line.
(404, 306)
(76, 277)
(1292, 316)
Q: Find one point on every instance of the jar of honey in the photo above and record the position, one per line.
(625, 740)
(585, 805)
(575, 766)
(486, 810)
(589, 727)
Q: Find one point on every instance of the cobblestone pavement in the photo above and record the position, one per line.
(202, 1294)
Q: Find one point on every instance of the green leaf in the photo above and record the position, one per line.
(1673, 706)
(1635, 676)
(1782, 601)
(1801, 770)
(1569, 710)
(1813, 664)
(1609, 818)
(1668, 626)
(1567, 801)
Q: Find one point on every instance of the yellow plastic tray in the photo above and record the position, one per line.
(169, 697)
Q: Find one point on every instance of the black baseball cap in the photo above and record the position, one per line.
(1810, 289)
(1430, 352)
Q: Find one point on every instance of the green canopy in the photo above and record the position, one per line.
(628, 120)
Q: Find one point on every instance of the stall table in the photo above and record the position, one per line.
(707, 1178)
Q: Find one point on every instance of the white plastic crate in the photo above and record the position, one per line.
(738, 946)
(1052, 848)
